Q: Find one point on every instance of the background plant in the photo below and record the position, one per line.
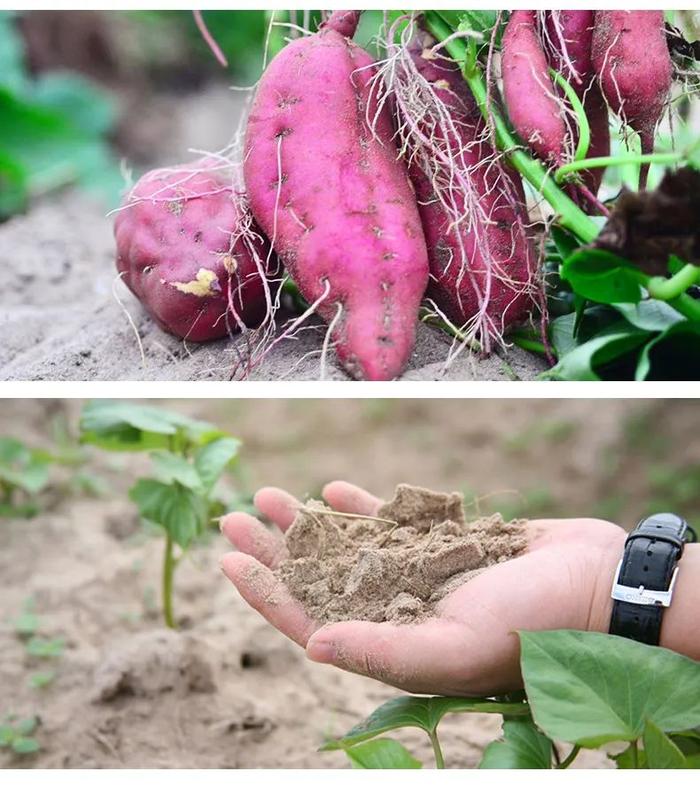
(187, 457)
(583, 688)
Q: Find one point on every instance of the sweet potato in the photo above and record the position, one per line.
(186, 250)
(568, 39)
(534, 108)
(472, 207)
(568, 36)
(326, 185)
(634, 69)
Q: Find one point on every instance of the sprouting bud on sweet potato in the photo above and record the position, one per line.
(190, 253)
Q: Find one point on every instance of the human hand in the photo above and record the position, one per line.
(561, 581)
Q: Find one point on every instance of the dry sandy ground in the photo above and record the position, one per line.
(228, 690)
(60, 315)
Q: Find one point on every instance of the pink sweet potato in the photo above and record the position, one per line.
(533, 105)
(183, 250)
(326, 185)
(568, 37)
(472, 206)
(568, 40)
(634, 69)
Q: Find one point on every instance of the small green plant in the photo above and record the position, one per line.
(24, 473)
(16, 734)
(188, 458)
(41, 679)
(585, 688)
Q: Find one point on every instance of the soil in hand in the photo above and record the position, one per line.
(396, 566)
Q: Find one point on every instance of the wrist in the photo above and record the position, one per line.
(606, 566)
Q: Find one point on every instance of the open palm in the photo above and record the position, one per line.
(561, 581)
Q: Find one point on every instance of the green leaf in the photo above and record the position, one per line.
(75, 97)
(523, 747)
(171, 468)
(126, 426)
(7, 734)
(630, 758)
(13, 74)
(650, 315)
(14, 186)
(211, 460)
(41, 679)
(585, 360)
(175, 508)
(673, 355)
(408, 711)
(25, 746)
(615, 685)
(26, 624)
(26, 726)
(688, 742)
(45, 648)
(602, 276)
(661, 752)
(382, 754)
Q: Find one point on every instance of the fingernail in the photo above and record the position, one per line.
(321, 651)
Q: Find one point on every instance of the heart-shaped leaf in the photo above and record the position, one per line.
(409, 711)
(615, 686)
(522, 747)
(382, 754)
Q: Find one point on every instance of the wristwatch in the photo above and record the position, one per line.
(646, 576)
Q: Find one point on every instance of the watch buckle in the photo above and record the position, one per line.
(640, 595)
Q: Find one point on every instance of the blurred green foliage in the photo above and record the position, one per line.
(53, 130)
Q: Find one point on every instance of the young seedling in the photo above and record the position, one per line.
(16, 735)
(24, 473)
(584, 688)
(41, 679)
(188, 458)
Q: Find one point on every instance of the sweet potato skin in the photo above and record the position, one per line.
(530, 97)
(336, 201)
(499, 243)
(576, 30)
(175, 253)
(634, 69)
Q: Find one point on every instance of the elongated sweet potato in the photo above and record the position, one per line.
(188, 252)
(634, 69)
(568, 36)
(472, 207)
(326, 185)
(568, 40)
(533, 105)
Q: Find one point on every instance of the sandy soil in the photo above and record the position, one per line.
(63, 313)
(228, 690)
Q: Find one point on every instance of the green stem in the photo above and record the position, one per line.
(634, 752)
(668, 289)
(570, 215)
(168, 570)
(584, 129)
(529, 344)
(570, 758)
(428, 317)
(615, 161)
(437, 750)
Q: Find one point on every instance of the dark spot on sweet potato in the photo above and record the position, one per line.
(197, 237)
(288, 101)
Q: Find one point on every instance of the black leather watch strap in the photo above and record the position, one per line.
(652, 552)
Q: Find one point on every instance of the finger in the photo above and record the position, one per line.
(266, 594)
(428, 658)
(346, 497)
(250, 536)
(277, 505)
